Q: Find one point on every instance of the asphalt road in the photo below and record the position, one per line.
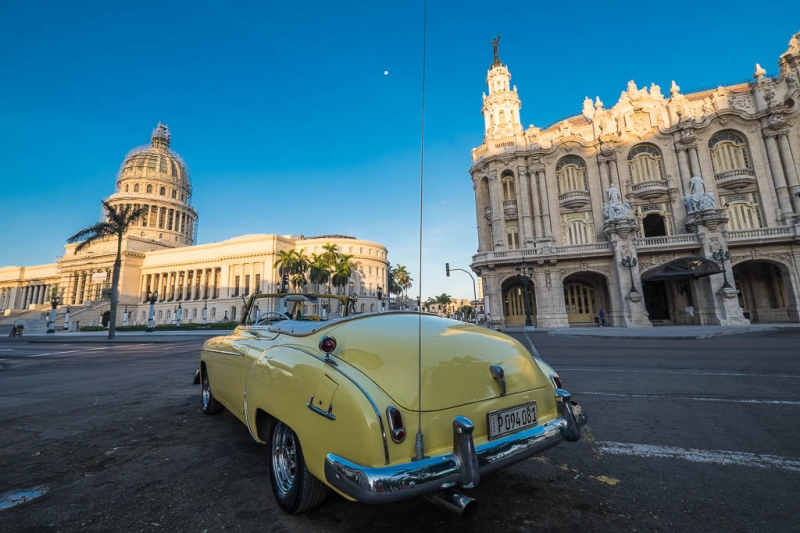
(683, 436)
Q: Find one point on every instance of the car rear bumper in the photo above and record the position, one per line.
(461, 468)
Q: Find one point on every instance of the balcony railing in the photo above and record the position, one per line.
(574, 199)
(668, 240)
(780, 232)
(510, 208)
(736, 178)
(514, 256)
(648, 189)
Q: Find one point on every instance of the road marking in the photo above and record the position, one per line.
(701, 456)
(689, 372)
(692, 398)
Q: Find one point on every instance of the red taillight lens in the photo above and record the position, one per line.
(396, 425)
(557, 381)
(327, 344)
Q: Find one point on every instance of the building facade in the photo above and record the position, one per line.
(661, 209)
(206, 282)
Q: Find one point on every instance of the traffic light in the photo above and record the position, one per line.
(285, 284)
(447, 269)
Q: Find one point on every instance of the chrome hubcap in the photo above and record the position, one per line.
(284, 458)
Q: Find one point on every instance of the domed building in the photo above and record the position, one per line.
(157, 177)
(160, 259)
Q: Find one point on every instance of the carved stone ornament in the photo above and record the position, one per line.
(620, 226)
(711, 218)
(615, 208)
(701, 198)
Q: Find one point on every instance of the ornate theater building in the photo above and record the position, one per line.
(159, 256)
(660, 209)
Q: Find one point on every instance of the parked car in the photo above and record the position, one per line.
(382, 407)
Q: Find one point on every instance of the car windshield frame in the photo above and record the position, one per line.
(287, 299)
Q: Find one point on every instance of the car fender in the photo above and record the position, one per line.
(329, 411)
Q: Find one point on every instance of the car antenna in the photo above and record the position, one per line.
(419, 445)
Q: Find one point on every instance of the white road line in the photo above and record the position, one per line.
(701, 456)
(690, 398)
(686, 372)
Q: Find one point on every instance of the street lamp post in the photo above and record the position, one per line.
(474, 291)
(630, 262)
(125, 316)
(66, 320)
(152, 297)
(205, 312)
(380, 299)
(178, 315)
(526, 273)
(51, 325)
(722, 256)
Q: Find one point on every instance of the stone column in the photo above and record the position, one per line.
(185, 285)
(537, 207)
(614, 171)
(551, 312)
(716, 304)
(778, 177)
(790, 170)
(498, 215)
(479, 218)
(493, 290)
(213, 293)
(545, 203)
(628, 309)
(523, 197)
(683, 168)
(695, 161)
(603, 164)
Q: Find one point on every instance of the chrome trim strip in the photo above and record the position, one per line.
(412, 479)
(223, 352)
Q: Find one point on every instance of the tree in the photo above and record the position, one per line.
(444, 300)
(318, 271)
(329, 257)
(342, 271)
(468, 311)
(118, 220)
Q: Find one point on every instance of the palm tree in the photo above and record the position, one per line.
(301, 262)
(285, 263)
(330, 256)
(118, 220)
(342, 271)
(403, 279)
(318, 271)
(444, 300)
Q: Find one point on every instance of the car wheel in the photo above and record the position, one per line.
(210, 405)
(295, 488)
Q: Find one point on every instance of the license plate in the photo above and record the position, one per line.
(504, 421)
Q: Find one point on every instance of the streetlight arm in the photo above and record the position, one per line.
(474, 292)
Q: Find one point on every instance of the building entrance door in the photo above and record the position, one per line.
(655, 300)
(514, 305)
(580, 301)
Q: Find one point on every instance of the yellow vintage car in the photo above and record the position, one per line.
(382, 407)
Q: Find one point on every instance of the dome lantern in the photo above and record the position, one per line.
(160, 138)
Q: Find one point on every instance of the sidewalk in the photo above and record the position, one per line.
(119, 338)
(668, 332)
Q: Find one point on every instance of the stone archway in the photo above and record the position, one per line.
(676, 293)
(765, 290)
(585, 293)
(106, 318)
(517, 306)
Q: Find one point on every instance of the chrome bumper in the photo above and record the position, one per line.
(461, 468)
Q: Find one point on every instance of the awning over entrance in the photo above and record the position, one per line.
(685, 267)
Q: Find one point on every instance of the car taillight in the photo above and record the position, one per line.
(557, 381)
(396, 426)
(327, 344)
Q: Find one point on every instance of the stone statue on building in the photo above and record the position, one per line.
(700, 199)
(495, 42)
(615, 208)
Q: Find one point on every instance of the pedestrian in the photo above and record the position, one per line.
(602, 316)
(489, 320)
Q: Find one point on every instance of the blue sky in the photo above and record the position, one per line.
(285, 116)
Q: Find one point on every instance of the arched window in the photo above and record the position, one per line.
(126, 188)
(159, 314)
(194, 313)
(512, 237)
(213, 312)
(577, 228)
(728, 152)
(174, 193)
(151, 161)
(233, 313)
(162, 167)
(654, 226)
(509, 187)
(571, 174)
(163, 191)
(645, 164)
(502, 117)
(149, 189)
(136, 187)
(743, 210)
